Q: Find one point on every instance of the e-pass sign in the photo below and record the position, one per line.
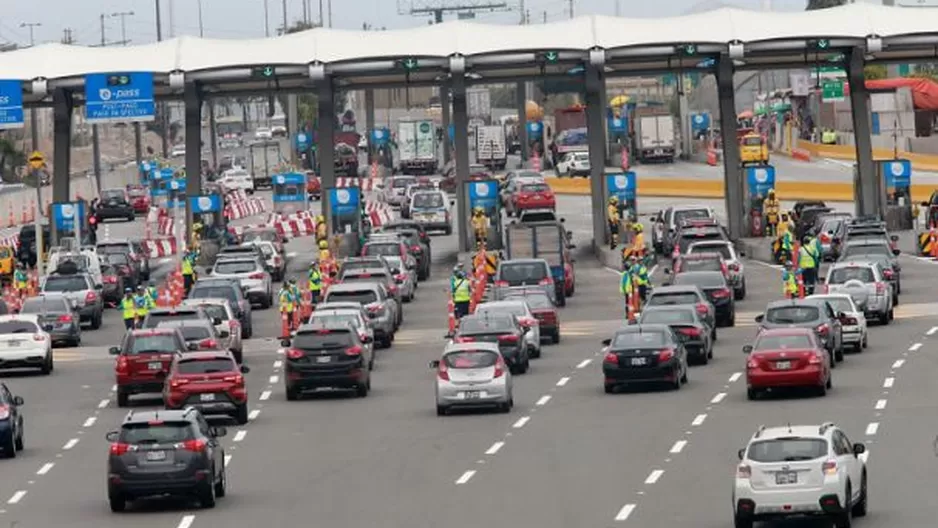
(119, 97)
(205, 204)
(11, 104)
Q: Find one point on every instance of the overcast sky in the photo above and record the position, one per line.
(245, 18)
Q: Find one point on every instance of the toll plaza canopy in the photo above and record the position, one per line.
(496, 53)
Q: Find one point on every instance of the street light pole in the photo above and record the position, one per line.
(266, 18)
(164, 123)
(123, 16)
(201, 27)
(284, 17)
(33, 114)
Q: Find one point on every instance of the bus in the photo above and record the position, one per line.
(230, 131)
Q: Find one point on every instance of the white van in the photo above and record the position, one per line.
(87, 261)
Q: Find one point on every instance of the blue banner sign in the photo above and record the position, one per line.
(760, 179)
(622, 186)
(380, 137)
(344, 202)
(68, 215)
(303, 141)
(11, 104)
(617, 125)
(452, 133)
(483, 194)
(289, 187)
(210, 203)
(535, 130)
(119, 97)
(700, 121)
(897, 173)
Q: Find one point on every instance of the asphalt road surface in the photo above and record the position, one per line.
(567, 456)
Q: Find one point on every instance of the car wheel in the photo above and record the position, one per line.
(440, 410)
(19, 444)
(859, 509)
(739, 522)
(292, 394)
(609, 388)
(449, 230)
(713, 334)
(839, 353)
(46, 368)
(386, 342)
(536, 352)
(555, 336)
(821, 390)
(561, 300)
(833, 358)
(221, 487)
(117, 503)
(676, 384)
(207, 495)
(892, 315)
(361, 390)
(131, 217)
(883, 318)
(96, 320)
(241, 414)
(684, 375)
(864, 341)
(752, 394)
(830, 381)
(845, 519)
(123, 399)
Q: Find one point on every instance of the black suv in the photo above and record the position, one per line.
(114, 204)
(166, 453)
(327, 355)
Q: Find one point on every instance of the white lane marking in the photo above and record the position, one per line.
(932, 330)
(735, 377)
(678, 446)
(46, 468)
(18, 496)
(654, 476)
(521, 421)
(70, 444)
(880, 405)
(544, 399)
(495, 447)
(584, 363)
(186, 521)
(291, 254)
(103, 403)
(265, 395)
(699, 419)
(465, 477)
(228, 459)
(280, 351)
(624, 513)
(915, 347)
(274, 379)
(278, 364)
(563, 381)
(240, 435)
(898, 363)
(888, 382)
(254, 414)
(718, 398)
(114, 388)
(872, 428)
(89, 422)
(766, 264)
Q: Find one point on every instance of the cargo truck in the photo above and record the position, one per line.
(491, 148)
(655, 138)
(548, 241)
(416, 141)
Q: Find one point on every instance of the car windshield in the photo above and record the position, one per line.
(378, 250)
(112, 248)
(217, 292)
(522, 272)
(261, 236)
(662, 299)
(18, 327)
(861, 250)
(841, 304)
(483, 325)
(516, 309)
(428, 200)
(39, 305)
(155, 319)
(701, 264)
(648, 339)
(359, 296)
(322, 339)
(704, 280)
(470, 359)
(689, 214)
(195, 333)
(215, 311)
(783, 342)
(205, 366)
(402, 183)
(792, 314)
(787, 450)
(137, 192)
(65, 284)
(535, 188)
(156, 433)
(842, 275)
(668, 317)
(722, 249)
(233, 267)
(335, 318)
(153, 343)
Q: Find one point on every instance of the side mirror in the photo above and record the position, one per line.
(192, 347)
(18, 400)
(747, 349)
(114, 351)
(368, 339)
(112, 436)
(894, 238)
(741, 453)
(760, 318)
(245, 369)
(224, 334)
(741, 253)
(435, 364)
(219, 431)
(821, 280)
(667, 271)
(859, 449)
(48, 327)
(607, 342)
(216, 321)
(285, 342)
(896, 252)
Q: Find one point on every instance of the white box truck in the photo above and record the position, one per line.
(655, 138)
(416, 143)
(491, 147)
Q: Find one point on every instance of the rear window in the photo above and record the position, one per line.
(154, 319)
(535, 302)
(214, 292)
(704, 280)
(787, 450)
(786, 342)
(872, 249)
(660, 299)
(18, 327)
(377, 250)
(402, 183)
(194, 333)
(668, 317)
(65, 284)
(112, 194)
(153, 344)
(840, 304)
(792, 314)
(479, 325)
(362, 297)
(374, 276)
(523, 272)
(348, 267)
(509, 309)
(264, 236)
(317, 341)
(45, 305)
(231, 267)
(639, 340)
(163, 433)
(332, 319)
(215, 311)
(722, 249)
(428, 200)
(113, 248)
(535, 187)
(701, 264)
(205, 366)
(689, 214)
(842, 275)
(470, 359)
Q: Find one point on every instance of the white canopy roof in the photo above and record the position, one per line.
(188, 54)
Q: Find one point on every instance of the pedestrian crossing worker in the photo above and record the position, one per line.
(315, 282)
(188, 270)
(638, 242)
(20, 280)
(457, 270)
(286, 303)
(141, 304)
(612, 218)
(461, 295)
(128, 309)
(789, 281)
(153, 293)
(808, 259)
(770, 207)
(321, 228)
(324, 253)
(626, 287)
(784, 253)
(640, 277)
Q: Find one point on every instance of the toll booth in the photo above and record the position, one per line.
(760, 179)
(159, 182)
(623, 185)
(345, 210)
(484, 194)
(289, 193)
(69, 220)
(207, 210)
(176, 193)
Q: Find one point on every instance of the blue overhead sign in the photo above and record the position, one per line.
(289, 187)
(483, 194)
(700, 121)
(760, 180)
(622, 186)
(11, 104)
(119, 97)
(210, 203)
(535, 129)
(67, 215)
(344, 202)
(618, 125)
(380, 137)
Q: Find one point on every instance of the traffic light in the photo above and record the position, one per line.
(264, 72)
(687, 50)
(819, 44)
(409, 64)
(118, 80)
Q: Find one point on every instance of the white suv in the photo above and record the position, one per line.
(798, 471)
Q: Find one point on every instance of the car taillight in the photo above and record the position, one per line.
(295, 353)
(722, 293)
(91, 297)
(724, 269)
(175, 383)
(460, 339)
(233, 324)
(196, 446)
(610, 358)
(119, 448)
(829, 467)
(665, 355)
(752, 364)
(888, 274)
(375, 308)
(546, 281)
(237, 379)
(256, 276)
(501, 284)
(39, 337)
(691, 332)
(815, 359)
(208, 344)
(734, 267)
(276, 260)
(65, 319)
(527, 321)
(416, 249)
(354, 351)
(4, 412)
(850, 321)
(743, 471)
(702, 308)
(880, 288)
(110, 279)
(510, 338)
(400, 278)
(823, 329)
(825, 239)
(499, 368)
(443, 371)
(392, 288)
(122, 365)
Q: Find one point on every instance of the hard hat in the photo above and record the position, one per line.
(638, 228)
(323, 244)
(140, 287)
(613, 200)
(478, 209)
(127, 290)
(771, 192)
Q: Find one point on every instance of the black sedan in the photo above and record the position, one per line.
(114, 204)
(718, 292)
(497, 328)
(418, 244)
(687, 325)
(644, 353)
(57, 316)
(11, 422)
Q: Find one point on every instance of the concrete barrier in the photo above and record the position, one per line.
(923, 162)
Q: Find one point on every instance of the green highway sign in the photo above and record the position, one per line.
(118, 80)
(551, 56)
(266, 72)
(819, 44)
(832, 90)
(688, 50)
(409, 63)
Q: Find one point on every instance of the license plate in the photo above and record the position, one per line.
(324, 359)
(14, 343)
(156, 365)
(156, 456)
(639, 361)
(657, 151)
(472, 395)
(207, 397)
(788, 477)
(783, 365)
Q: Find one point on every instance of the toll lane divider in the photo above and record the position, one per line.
(922, 162)
(701, 188)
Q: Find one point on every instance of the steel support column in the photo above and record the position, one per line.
(212, 133)
(868, 189)
(461, 148)
(370, 122)
(732, 172)
(138, 145)
(325, 145)
(193, 117)
(62, 105)
(96, 156)
(521, 100)
(596, 125)
(293, 127)
(445, 100)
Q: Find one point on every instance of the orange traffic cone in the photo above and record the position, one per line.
(284, 325)
(451, 311)
(800, 287)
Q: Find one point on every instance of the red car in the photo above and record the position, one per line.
(143, 360)
(531, 195)
(139, 198)
(547, 315)
(787, 357)
(313, 186)
(210, 381)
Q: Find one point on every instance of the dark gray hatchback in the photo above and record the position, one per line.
(159, 453)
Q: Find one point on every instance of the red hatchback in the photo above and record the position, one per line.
(139, 198)
(547, 315)
(143, 360)
(212, 382)
(532, 195)
(787, 357)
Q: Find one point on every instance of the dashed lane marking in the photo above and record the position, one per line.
(278, 364)
(678, 446)
(735, 377)
(274, 379)
(495, 448)
(625, 512)
(46, 468)
(872, 428)
(699, 420)
(543, 400)
(932, 330)
(265, 395)
(584, 363)
(465, 477)
(563, 381)
(228, 459)
(888, 382)
(103, 404)
(521, 422)
(186, 521)
(18, 496)
(70, 444)
(718, 398)
(89, 422)
(915, 347)
(898, 363)
(239, 436)
(254, 414)
(654, 476)
(880, 405)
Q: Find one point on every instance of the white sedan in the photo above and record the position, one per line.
(24, 343)
(854, 324)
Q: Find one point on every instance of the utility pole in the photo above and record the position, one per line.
(103, 36)
(330, 13)
(266, 18)
(544, 17)
(521, 8)
(571, 8)
(201, 27)
(33, 113)
(284, 17)
(123, 16)
(305, 13)
(322, 21)
(164, 123)
(67, 36)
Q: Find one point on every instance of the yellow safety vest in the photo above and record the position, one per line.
(128, 308)
(461, 293)
(286, 301)
(789, 285)
(187, 267)
(315, 281)
(806, 258)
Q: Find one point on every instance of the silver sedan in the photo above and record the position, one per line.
(472, 376)
(405, 276)
(854, 325)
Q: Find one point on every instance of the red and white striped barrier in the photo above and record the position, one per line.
(164, 226)
(160, 247)
(365, 184)
(379, 213)
(245, 208)
(10, 239)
